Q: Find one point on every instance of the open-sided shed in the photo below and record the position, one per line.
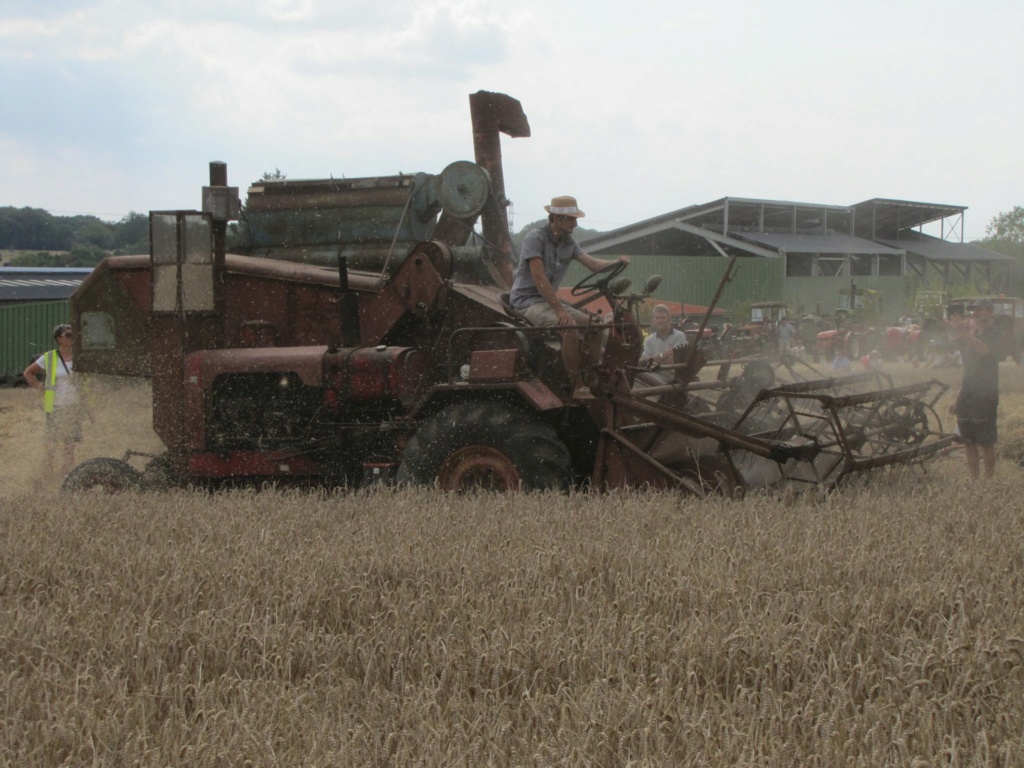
(800, 253)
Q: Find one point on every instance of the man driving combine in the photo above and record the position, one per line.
(544, 259)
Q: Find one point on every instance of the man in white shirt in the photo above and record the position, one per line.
(660, 346)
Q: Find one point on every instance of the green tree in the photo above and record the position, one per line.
(40, 259)
(95, 233)
(80, 256)
(85, 256)
(1005, 234)
(28, 229)
(131, 234)
(1007, 226)
(581, 234)
(274, 175)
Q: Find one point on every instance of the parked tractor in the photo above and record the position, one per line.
(918, 338)
(856, 325)
(759, 334)
(361, 333)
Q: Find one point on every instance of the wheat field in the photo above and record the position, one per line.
(881, 624)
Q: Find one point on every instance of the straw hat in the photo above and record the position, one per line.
(564, 205)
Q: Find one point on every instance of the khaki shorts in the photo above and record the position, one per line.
(541, 314)
(64, 425)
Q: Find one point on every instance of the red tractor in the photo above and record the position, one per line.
(759, 335)
(856, 320)
(359, 332)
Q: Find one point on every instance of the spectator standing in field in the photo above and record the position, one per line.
(65, 408)
(976, 405)
(787, 333)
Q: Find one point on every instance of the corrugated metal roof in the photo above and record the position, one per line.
(29, 284)
(790, 243)
(934, 249)
(883, 217)
(671, 237)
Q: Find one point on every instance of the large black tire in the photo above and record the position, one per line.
(110, 475)
(486, 445)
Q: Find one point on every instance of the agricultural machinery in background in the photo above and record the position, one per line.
(920, 338)
(758, 335)
(857, 320)
(360, 333)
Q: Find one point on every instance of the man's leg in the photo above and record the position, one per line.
(571, 354)
(988, 458)
(971, 451)
(542, 315)
(594, 338)
(69, 459)
(50, 447)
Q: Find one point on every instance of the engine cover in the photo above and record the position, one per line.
(374, 374)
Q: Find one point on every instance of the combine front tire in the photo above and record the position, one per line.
(110, 475)
(488, 446)
(158, 474)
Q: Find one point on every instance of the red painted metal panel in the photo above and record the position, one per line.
(488, 365)
(251, 464)
(538, 395)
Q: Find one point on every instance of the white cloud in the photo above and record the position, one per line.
(705, 100)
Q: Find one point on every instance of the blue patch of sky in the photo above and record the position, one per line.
(83, 103)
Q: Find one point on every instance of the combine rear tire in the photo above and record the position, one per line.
(110, 475)
(487, 446)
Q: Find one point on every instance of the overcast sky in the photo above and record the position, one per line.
(637, 108)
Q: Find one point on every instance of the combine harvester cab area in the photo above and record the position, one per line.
(358, 331)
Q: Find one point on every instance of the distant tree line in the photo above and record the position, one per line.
(80, 241)
(1005, 234)
(581, 233)
(83, 241)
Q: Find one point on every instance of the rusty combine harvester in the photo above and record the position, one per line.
(359, 333)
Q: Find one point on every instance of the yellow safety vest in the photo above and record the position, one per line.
(50, 387)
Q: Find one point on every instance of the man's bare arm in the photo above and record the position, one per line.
(593, 264)
(547, 292)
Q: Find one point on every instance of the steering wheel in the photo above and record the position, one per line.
(599, 279)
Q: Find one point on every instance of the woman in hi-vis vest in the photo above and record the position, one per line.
(52, 374)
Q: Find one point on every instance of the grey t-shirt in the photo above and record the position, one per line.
(540, 244)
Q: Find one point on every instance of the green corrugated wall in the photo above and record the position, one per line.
(694, 279)
(805, 294)
(26, 331)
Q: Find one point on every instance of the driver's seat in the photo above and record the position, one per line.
(506, 304)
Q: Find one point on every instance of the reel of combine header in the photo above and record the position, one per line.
(853, 423)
